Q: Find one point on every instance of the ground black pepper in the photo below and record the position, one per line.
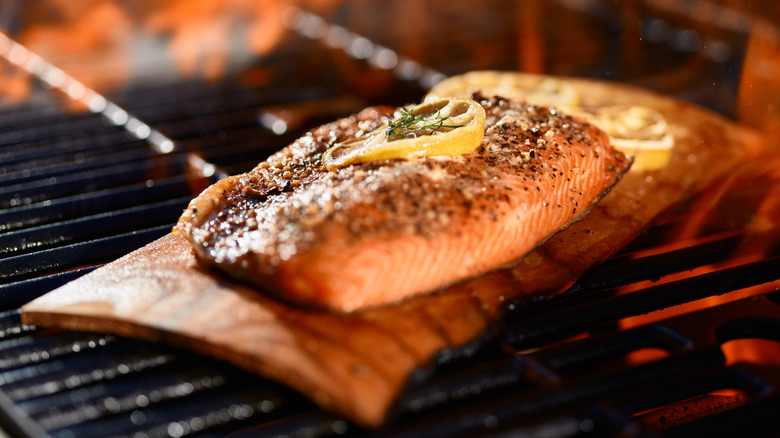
(283, 205)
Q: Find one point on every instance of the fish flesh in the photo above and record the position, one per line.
(379, 232)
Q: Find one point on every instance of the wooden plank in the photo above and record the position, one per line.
(357, 365)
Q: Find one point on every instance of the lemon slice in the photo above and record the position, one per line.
(636, 130)
(450, 126)
(639, 131)
(547, 92)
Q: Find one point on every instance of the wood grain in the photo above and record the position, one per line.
(356, 365)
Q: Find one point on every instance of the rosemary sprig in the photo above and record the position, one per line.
(410, 125)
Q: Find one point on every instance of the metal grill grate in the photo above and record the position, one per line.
(78, 192)
(82, 192)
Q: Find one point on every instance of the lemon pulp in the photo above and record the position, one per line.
(636, 130)
(448, 126)
(639, 131)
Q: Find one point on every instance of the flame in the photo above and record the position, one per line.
(200, 30)
(750, 201)
(758, 102)
(86, 39)
(747, 201)
(101, 42)
(529, 38)
(756, 351)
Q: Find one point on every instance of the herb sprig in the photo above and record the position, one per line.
(411, 125)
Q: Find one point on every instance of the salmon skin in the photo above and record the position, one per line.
(379, 232)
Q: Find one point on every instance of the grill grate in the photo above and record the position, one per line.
(91, 197)
(531, 379)
(78, 191)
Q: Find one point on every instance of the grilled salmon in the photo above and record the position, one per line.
(379, 232)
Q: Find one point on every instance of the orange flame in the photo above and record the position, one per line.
(746, 201)
(97, 41)
(86, 39)
(200, 30)
(759, 89)
(752, 191)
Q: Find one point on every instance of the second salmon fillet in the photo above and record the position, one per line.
(375, 233)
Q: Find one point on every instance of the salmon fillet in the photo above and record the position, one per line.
(379, 232)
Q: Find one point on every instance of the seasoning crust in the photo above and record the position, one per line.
(378, 232)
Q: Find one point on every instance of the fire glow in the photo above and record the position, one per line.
(746, 202)
(101, 44)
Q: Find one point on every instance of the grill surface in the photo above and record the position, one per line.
(78, 191)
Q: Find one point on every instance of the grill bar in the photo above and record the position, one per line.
(76, 165)
(76, 230)
(94, 203)
(15, 294)
(64, 409)
(531, 330)
(589, 355)
(79, 254)
(104, 177)
(545, 397)
(621, 271)
(61, 128)
(15, 422)
(37, 109)
(193, 415)
(87, 146)
(755, 420)
(497, 380)
(19, 356)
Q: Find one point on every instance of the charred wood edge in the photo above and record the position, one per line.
(538, 372)
(545, 367)
(489, 343)
(694, 367)
(416, 394)
(513, 409)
